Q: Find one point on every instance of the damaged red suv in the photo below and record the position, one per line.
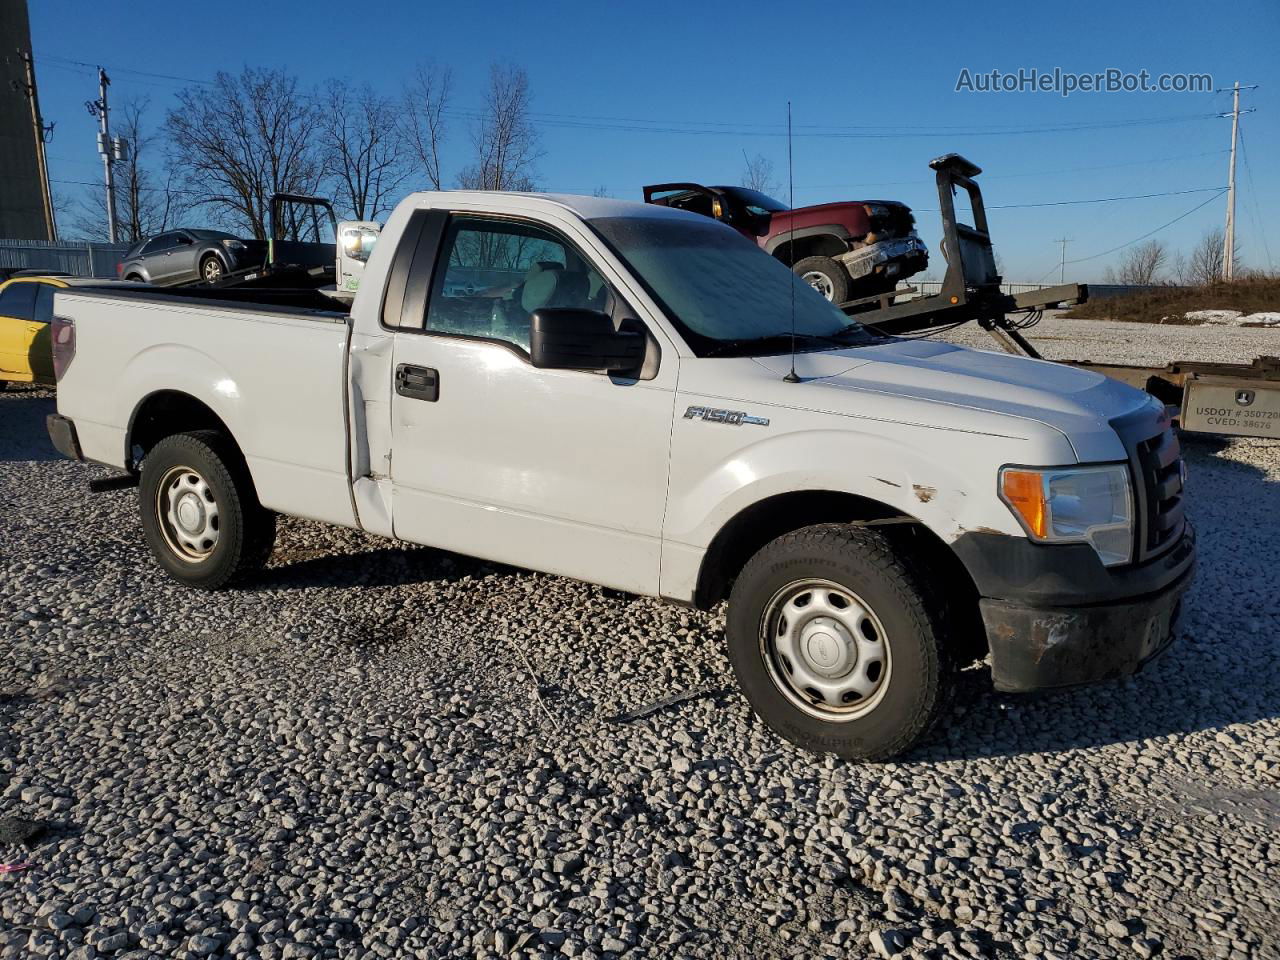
(843, 250)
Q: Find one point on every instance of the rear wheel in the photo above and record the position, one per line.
(211, 269)
(134, 278)
(825, 275)
(836, 643)
(200, 514)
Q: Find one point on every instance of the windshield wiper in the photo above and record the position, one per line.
(739, 346)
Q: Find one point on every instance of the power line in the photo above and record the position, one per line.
(1069, 203)
(1012, 176)
(741, 130)
(128, 70)
(1149, 233)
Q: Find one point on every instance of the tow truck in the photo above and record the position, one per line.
(1227, 399)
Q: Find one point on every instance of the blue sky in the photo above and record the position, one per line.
(634, 93)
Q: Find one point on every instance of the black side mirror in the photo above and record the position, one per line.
(567, 338)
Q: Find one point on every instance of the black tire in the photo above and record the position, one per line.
(916, 683)
(835, 278)
(211, 269)
(134, 278)
(244, 531)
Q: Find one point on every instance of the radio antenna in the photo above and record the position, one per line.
(791, 377)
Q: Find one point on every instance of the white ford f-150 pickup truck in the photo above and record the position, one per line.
(638, 397)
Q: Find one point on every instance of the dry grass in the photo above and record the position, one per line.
(1168, 304)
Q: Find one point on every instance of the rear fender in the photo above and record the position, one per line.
(151, 371)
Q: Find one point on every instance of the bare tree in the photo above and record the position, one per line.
(242, 140)
(1141, 265)
(147, 201)
(504, 139)
(1204, 267)
(601, 191)
(758, 174)
(361, 149)
(422, 126)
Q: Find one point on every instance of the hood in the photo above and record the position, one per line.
(950, 387)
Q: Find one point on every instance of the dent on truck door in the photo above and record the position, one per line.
(561, 471)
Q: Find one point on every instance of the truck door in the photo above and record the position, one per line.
(561, 471)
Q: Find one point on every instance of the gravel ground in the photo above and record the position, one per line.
(385, 751)
(1108, 341)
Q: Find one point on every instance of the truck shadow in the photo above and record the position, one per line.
(1223, 668)
(295, 568)
(22, 431)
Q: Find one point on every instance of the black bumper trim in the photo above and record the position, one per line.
(1065, 574)
(1037, 648)
(63, 434)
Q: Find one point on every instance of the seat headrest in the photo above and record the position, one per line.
(538, 288)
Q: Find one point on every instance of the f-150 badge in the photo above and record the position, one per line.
(734, 418)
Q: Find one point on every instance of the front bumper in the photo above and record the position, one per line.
(887, 256)
(1038, 648)
(1073, 627)
(63, 434)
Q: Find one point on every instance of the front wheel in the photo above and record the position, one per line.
(200, 514)
(211, 269)
(827, 276)
(837, 644)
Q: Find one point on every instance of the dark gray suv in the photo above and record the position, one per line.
(187, 256)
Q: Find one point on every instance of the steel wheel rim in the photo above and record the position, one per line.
(825, 650)
(820, 282)
(188, 514)
(212, 270)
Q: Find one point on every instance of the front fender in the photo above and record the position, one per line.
(932, 483)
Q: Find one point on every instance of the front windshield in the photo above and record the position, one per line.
(755, 201)
(725, 294)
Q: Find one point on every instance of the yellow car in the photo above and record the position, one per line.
(26, 310)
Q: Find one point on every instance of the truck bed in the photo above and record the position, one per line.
(271, 367)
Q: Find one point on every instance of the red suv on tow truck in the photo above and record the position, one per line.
(843, 250)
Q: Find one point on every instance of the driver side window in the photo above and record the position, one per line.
(495, 273)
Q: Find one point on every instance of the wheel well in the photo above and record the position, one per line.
(162, 414)
(823, 245)
(743, 536)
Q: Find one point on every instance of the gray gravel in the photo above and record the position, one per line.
(1108, 341)
(385, 751)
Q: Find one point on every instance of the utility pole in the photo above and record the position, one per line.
(37, 128)
(98, 108)
(1062, 268)
(1229, 234)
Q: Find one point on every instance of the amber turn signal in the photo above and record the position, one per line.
(1024, 491)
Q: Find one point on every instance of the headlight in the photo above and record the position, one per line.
(233, 244)
(1092, 505)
